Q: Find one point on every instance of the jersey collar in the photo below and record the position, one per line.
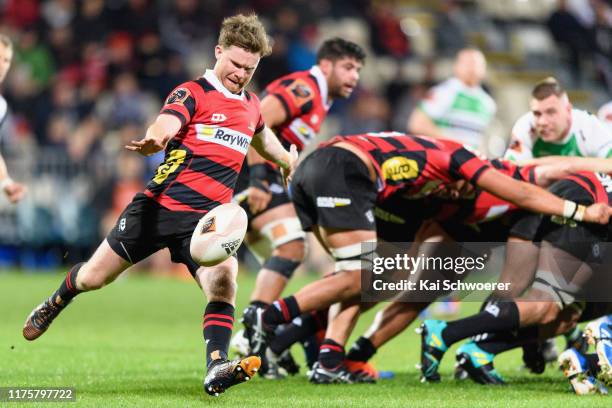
(316, 72)
(210, 76)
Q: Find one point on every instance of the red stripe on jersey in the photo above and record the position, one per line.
(206, 185)
(599, 193)
(172, 204)
(217, 153)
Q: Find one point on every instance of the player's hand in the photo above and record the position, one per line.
(15, 191)
(146, 147)
(598, 213)
(258, 199)
(288, 171)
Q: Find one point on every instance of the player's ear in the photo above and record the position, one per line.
(218, 51)
(326, 66)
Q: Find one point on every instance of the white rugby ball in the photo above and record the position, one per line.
(218, 234)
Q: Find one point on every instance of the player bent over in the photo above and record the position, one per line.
(205, 126)
(334, 192)
(569, 267)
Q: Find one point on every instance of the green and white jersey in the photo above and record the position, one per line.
(587, 137)
(462, 113)
(605, 113)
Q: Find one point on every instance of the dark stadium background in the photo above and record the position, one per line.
(88, 76)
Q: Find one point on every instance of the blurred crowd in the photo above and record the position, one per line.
(89, 75)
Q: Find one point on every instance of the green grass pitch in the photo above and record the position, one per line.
(138, 342)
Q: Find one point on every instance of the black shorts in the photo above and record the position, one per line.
(398, 219)
(332, 188)
(275, 184)
(145, 227)
(580, 239)
(495, 230)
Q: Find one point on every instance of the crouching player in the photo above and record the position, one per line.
(571, 267)
(202, 161)
(335, 190)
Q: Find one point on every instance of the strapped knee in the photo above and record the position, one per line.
(354, 256)
(281, 231)
(283, 266)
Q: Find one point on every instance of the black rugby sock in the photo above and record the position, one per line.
(68, 289)
(331, 354)
(281, 311)
(499, 316)
(299, 329)
(362, 350)
(217, 327)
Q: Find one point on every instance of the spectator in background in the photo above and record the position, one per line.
(386, 33)
(572, 35)
(458, 108)
(13, 190)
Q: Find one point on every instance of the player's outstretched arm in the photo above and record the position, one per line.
(14, 191)
(556, 167)
(536, 199)
(268, 146)
(158, 134)
(421, 124)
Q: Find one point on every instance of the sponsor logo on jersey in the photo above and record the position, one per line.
(218, 117)
(178, 96)
(302, 130)
(400, 168)
(332, 202)
(224, 136)
(122, 223)
(300, 90)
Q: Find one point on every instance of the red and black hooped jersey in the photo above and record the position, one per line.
(203, 160)
(415, 165)
(483, 206)
(303, 95)
(598, 185)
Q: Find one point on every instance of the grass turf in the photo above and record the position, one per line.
(138, 342)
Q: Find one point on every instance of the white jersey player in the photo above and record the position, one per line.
(554, 128)
(457, 108)
(605, 113)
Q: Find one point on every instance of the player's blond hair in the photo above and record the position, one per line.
(245, 32)
(6, 41)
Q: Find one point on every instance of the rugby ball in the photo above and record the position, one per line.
(218, 234)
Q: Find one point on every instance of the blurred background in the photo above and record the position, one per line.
(89, 75)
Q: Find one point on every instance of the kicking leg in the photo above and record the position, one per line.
(102, 268)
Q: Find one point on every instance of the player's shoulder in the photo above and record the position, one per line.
(589, 122)
(523, 127)
(300, 84)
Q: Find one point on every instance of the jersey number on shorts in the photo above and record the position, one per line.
(174, 159)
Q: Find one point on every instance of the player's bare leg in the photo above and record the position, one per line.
(286, 256)
(284, 233)
(102, 268)
(343, 285)
(219, 285)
